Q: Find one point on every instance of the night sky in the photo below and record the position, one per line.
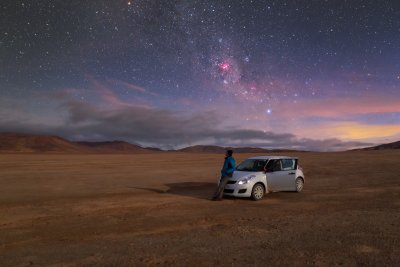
(317, 75)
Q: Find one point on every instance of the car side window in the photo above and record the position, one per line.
(277, 165)
(270, 164)
(274, 165)
(288, 164)
(259, 165)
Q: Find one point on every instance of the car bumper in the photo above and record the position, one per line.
(238, 190)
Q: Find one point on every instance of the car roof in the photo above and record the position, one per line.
(273, 157)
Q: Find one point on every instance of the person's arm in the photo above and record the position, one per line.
(231, 166)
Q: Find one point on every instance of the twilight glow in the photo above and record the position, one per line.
(276, 74)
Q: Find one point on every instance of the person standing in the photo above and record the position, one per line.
(226, 172)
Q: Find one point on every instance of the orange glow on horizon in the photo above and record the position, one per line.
(353, 131)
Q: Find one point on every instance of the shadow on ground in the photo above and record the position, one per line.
(203, 190)
(199, 190)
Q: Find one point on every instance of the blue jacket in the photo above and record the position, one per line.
(228, 167)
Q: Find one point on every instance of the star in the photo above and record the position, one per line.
(224, 55)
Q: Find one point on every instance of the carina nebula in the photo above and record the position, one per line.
(321, 75)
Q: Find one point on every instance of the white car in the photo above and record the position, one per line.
(257, 176)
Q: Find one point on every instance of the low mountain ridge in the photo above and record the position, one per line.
(30, 143)
(221, 150)
(17, 142)
(111, 146)
(394, 145)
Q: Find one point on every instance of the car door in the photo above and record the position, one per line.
(289, 167)
(278, 178)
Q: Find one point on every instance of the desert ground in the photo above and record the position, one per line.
(155, 209)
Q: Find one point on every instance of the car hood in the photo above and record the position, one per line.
(241, 174)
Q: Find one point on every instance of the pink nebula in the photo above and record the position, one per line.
(224, 66)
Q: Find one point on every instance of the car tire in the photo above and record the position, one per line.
(258, 191)
(299, 184)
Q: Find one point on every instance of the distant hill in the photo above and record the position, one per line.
(111, 146)
(220, 149)
(16, 142)
(394, 145)
(202, 149)
(29, 143)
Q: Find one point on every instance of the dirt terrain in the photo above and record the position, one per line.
(154, 209)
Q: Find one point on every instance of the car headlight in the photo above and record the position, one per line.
(245, 180)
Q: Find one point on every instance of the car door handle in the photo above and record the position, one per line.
(290, 173)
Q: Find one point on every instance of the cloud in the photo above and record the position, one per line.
(332, 144)
(342, 107)
(138, 123)
(105, 91)
(165, 128)
(134, 87)
(150, 125)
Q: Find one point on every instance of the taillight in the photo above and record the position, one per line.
(300, 168)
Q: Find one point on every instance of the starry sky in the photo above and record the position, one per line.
(315, 75)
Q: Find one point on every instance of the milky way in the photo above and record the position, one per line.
(319, 75)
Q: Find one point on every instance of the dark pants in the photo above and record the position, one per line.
(219, 193)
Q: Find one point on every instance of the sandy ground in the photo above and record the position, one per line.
(140, 210)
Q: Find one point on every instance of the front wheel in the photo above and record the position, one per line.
(299, 184)
(257, 192)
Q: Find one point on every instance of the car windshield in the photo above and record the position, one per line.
(252, 165)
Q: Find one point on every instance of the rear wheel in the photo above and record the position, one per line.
(257, 192)
(299, 184)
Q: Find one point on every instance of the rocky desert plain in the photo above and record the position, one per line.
(154, 209)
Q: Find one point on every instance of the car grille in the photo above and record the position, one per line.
(229, 191)
(231, 182)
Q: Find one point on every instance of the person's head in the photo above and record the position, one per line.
(229, 152)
